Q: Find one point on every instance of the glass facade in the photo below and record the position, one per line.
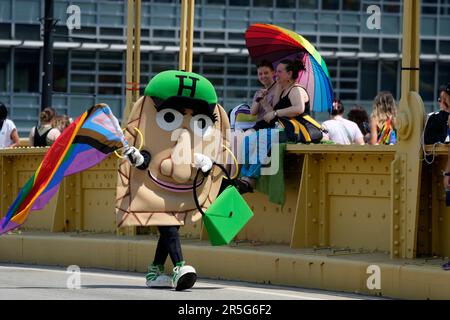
(361, 61)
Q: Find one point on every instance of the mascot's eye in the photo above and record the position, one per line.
(169, 119)
(201, 125)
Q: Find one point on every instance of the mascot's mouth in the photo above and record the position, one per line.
(174, 187)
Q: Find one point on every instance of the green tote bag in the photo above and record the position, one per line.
(226, 216)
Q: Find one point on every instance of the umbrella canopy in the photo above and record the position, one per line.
(273, 43)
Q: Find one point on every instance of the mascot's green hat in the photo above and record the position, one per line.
(180, 89)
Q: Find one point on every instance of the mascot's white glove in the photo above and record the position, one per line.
(133, 156)
(202, 162)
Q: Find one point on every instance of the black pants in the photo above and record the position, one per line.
(168, 244)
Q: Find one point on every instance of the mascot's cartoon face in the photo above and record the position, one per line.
(178, 116)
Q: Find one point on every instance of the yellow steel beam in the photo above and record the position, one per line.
(137, 51)
(406, 168)
(183, 23)
(129, 64)
(190, 35)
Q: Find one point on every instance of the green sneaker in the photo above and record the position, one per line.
(183, 277)
(156, 279)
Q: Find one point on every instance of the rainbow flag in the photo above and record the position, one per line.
(86, 142)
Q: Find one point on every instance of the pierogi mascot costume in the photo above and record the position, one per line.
(184, 130)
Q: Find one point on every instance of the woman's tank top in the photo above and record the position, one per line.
(285, 102)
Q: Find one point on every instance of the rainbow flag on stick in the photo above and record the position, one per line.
(86, 142)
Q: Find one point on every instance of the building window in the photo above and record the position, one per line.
(427, 87)
(389, 72)
(369, 76)
(28, 32)
(60, 72)
(239, 2)
(286, 4)
(4, 69)
(308, 4)
(330, 4)
(26, 72)
(443, 73)
(390, 45)
(263, 3)
(351, 5)
(370, 45)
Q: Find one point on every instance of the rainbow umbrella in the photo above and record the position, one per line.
(273, 43)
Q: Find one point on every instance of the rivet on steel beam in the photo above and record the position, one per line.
(314, 190)
(396, 242)
(67, 196)
(309, 205)
(309, 175)
(396, 211)
(314, 220)
(396, 171)
(396, 227)
(396, 181)
(396, 197)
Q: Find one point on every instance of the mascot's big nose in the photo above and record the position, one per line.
(179, 165)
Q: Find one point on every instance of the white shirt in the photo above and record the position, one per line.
(342, 131)
(5, 133)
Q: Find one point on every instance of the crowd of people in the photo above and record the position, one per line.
(44, 134)
(281, 97)
(283, 103)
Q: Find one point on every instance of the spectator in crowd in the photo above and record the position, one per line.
(445, 101)
(263, 99)
(340, 130)
(444, 104)
(45, 134)
(383, 120)
(359, 116)
(9, 137)
(62, 122)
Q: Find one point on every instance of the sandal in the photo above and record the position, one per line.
(243, 186)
